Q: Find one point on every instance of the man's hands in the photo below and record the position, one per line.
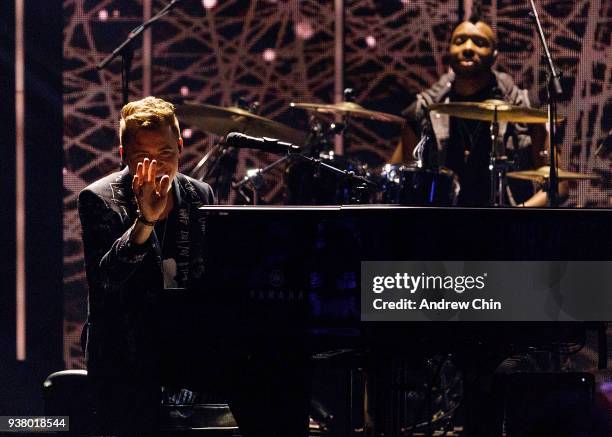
(151, 194)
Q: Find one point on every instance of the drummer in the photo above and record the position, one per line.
(464, 145)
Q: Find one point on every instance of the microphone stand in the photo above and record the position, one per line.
(315, 162)
(554, 91)
(126, 51)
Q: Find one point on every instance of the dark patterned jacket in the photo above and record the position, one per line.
(124, 279)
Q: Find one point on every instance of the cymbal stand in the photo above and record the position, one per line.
(498, 165)
(555, 91)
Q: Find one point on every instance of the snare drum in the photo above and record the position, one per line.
(411, 185)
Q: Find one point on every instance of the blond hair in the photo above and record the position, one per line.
(148, 113)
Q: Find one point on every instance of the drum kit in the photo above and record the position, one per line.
(315, 175)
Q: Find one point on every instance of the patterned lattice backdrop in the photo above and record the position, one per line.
(276, 51)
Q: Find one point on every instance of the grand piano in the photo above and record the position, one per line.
(290, 276)
(275, 272)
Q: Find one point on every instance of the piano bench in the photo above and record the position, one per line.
(67, 393)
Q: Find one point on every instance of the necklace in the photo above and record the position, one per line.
(469, 138)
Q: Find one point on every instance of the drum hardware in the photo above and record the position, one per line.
(348, 108)
(417, 186)
(494, 111)
(348, 174)
(220, 121)
(419, 150)
(542, 175)
(554, 91)
(254, 178)
(209, 162)
(312, 181)
(252, 107)
(485, 111)
(498, 164)
(327, 178)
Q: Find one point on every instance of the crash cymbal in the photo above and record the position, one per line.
(348, 108)
(484, 111)
(543, 173)
(221, 121)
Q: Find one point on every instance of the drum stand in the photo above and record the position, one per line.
(498, 166)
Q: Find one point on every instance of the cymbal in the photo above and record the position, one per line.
(348, 108)
(219, 120)
(543, 173)
(484, 111)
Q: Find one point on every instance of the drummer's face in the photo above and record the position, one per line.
(472, 48)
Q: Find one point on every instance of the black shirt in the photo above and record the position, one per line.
(469, 150)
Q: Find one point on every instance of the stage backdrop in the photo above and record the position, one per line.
(272, 52)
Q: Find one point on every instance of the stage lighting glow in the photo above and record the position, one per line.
(187, 133)
(370, 41)
(209, 4)
(102, 15)
(303, 29)
(269, 55)
(184, 90)
(116, 13)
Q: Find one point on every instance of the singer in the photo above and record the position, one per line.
(141, 236)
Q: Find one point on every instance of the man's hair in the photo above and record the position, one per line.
(475, 17)
(476, 14)
(150, 113)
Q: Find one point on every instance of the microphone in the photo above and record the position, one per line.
(272, 145)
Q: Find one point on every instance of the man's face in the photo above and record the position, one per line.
(159, 144)
(472, 48)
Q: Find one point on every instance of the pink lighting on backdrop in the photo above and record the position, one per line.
(209, 4)
(184, 90)
(187, 133)
(304, 30)
(116, 13)
(370, 41)
(269, 55)
(102, 15)
(20, 178)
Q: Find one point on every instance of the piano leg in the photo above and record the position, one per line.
(270, 394)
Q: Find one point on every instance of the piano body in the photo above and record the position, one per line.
(294, 272)
(288, 278)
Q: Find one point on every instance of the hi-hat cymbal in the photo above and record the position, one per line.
(348, 108)
(484, 111)
(543, 173)
(221, 121)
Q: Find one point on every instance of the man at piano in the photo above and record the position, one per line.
(140, 235)
(463, 145)
(143, 236)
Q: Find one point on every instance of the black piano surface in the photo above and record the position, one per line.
(293, 273)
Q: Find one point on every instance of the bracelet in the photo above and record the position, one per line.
(144, 221)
